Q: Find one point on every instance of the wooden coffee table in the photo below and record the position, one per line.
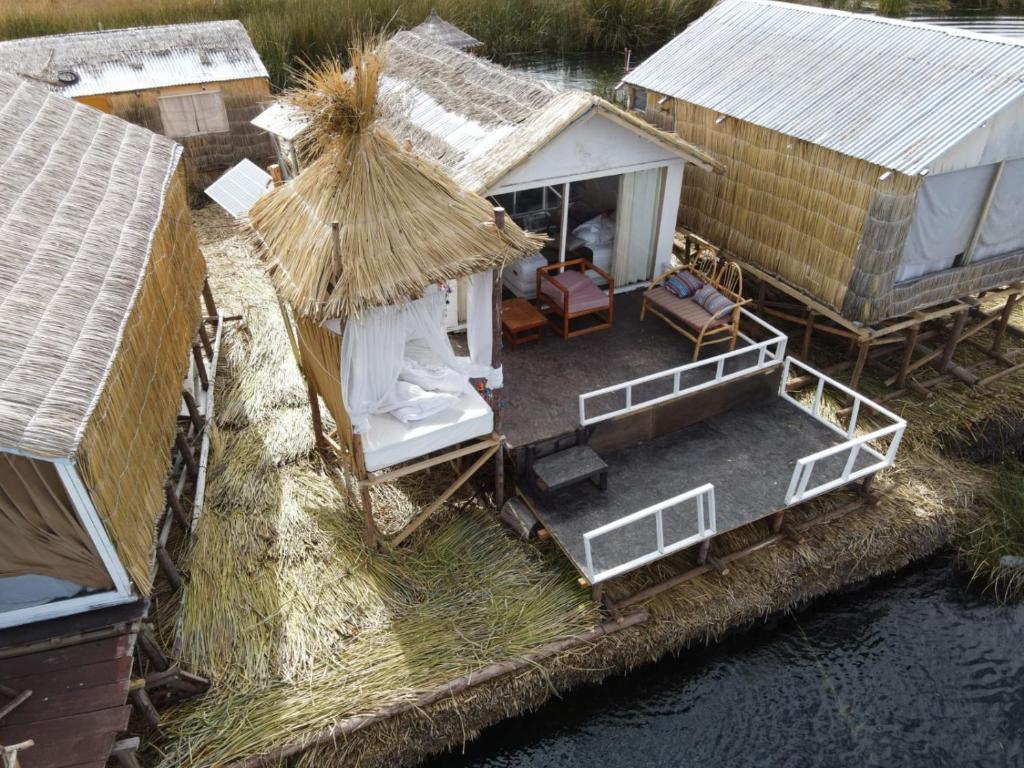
(521, 321)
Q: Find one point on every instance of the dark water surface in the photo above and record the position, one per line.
(913, 670)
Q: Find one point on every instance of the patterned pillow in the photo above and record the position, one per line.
(712, 301)
(683, 284)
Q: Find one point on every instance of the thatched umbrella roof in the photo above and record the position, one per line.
(402, 222)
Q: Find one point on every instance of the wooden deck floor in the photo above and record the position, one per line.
(748, 454)
(544, 380)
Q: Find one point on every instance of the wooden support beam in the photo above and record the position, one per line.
(198, 420)
(318, 422)
(125, 752)
(211, 305)
(409, 469)
(952, 341)
(908, 353)
(177, 509)
(436, 503)
(1000, 374)
(704, 551)
(143, 706)
(1004, 321)
(167, 567)
(197, 357)
(204, 339)
(151, 648)
(858, 367)
(805, 347)
(186, 454)
(18, 698)
(776, 520)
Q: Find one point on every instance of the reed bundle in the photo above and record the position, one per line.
(402, 223)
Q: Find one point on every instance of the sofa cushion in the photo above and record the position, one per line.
(712, 301)
(684, 311)
(583, 294)
(683, 284)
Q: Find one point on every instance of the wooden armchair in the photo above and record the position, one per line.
(571, 294)
(690, 318)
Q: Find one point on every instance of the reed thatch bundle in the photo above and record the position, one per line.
(402, 222)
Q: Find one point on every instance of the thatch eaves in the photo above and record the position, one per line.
(403, 223)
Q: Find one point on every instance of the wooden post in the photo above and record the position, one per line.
(1004, 320)
(953, 340)
(186, 454)
(176, 508)
(805, 348)
(140, 700)
(197, 357)
(151, 648)
(314, 407)
(125, 752)
(777, 519)
(198, 421)
(211, 306)
(364, 492)
(862, 359)
(703, 551)
(908, 353)
(761, 289)
(499, 456)
(170, 570)
(204, 337)
(275, 174)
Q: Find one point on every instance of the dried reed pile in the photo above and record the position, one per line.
(402, 222)
(295, 620)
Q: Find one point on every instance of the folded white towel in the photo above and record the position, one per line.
(433, 377)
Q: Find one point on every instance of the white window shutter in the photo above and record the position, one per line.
(193, 114)
(211, 116)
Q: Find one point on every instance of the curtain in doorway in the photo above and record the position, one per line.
(636, 222)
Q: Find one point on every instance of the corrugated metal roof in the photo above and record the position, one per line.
(116, 60)
(895, 93)
(441, 31)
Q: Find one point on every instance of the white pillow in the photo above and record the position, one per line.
(433, 377)
(413, 403)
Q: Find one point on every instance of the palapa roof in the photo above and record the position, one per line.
(80, 198)
(440, 31)
(135, 59)
(403, 222)
(477, 119)
(896, 93)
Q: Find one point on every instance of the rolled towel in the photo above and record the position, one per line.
(433, 377)
(413, 403)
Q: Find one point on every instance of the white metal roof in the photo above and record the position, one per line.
(139, 58)
(896, 93)
(239, 188)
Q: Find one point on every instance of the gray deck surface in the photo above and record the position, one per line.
(748, 454)
(544, 379)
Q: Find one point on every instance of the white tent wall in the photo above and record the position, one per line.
(944, 220)
(998, 138)
(1002, 231)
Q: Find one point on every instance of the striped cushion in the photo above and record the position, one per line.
(683, 311)
(683, 284)
(712, 300)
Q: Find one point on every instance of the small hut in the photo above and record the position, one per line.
(100, 278)
(444, 33)
(360, 245)
(199, 84)
(875, 165)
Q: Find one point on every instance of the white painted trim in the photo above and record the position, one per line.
(671, 192)
(60, 608)
(560, 180)
(86, 510)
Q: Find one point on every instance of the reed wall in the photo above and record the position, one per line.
(124, 455)
(320, 351)
(206, 157)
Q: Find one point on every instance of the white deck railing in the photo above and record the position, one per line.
(764, 354)
(706, 528)
(855, 446)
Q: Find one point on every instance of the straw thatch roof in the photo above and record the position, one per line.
(403, 222)
(140, 58)
(82, 194)
(476, 119)
(445, 33)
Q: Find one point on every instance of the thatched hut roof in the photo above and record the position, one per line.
(139, 58)
(403, 223)
(445, 33)
(81, 198)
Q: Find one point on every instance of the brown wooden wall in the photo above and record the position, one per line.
(206, 156)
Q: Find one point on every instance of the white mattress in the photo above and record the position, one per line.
(388, 441)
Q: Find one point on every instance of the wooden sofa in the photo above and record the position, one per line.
(691, 319)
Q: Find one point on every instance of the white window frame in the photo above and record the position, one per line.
(161, 100)
(87, 513)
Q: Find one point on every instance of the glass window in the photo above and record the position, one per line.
(193, 114)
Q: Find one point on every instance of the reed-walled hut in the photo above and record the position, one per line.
(361, 244)
(100, 277)
(199, 84)
(876, 165)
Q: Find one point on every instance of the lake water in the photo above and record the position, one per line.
(916, 669)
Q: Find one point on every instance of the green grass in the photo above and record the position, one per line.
(286, 30)
(994, 548)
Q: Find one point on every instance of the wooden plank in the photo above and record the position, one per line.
(65, 741)
(27, 638)
(74, 678)
(73, 655)
(69, 703)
